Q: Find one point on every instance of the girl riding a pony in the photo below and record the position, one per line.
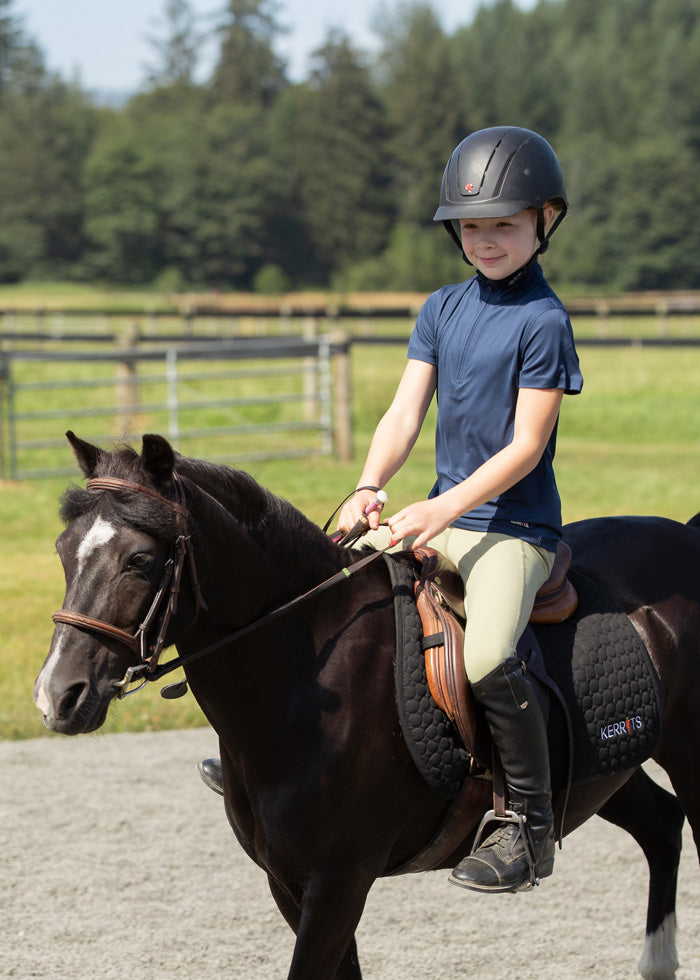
(498, 352)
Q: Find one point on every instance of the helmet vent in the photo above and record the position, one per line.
(472, 184)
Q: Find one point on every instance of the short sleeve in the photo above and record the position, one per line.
(422, 345)
(548, 354)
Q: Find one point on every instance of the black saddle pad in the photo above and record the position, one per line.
(432, 739)
(597, 661)
(604, 672)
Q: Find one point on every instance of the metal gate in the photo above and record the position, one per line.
(233, 401)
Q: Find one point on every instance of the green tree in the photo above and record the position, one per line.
(335, 180)
(21, 62)
(672, 102)
(46, 128)
(123, 184)
(178, 51)
(629, 143)
(424, 107)
(179, 187)
(580, 251)
(170, 121)
(248, 71)
(234, 190)
(653, 227)
(508, 68)
(416, 259)
(332, 140)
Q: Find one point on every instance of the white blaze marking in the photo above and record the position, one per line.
(41, 700)
(100, 533)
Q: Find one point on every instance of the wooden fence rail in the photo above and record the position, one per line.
(305, 315)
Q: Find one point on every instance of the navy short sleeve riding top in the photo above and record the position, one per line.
(487, 341)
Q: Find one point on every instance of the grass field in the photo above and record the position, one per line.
(629, 444)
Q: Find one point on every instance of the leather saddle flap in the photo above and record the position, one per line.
(439, 596)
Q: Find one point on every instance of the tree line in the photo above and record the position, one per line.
(246, 180)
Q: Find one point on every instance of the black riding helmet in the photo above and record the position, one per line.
(497, 172)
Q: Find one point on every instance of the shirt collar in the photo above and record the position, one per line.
(522, 278)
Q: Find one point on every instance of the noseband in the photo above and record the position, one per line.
(164, 605)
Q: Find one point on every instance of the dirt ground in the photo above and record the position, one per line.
(118, 864)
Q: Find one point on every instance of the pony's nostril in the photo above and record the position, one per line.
(71, 701)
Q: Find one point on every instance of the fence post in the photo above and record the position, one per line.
(602, 309)
(127, 377)
(662, 307)
(310, 332)
(342, 407)
(4, 422)
(171, 370)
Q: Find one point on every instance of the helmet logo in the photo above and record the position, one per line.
(469, 188)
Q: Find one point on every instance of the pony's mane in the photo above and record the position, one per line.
(260, 511)
(237, 491)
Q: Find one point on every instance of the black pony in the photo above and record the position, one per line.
(320, 788)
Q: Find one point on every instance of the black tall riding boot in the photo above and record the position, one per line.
(521, 850)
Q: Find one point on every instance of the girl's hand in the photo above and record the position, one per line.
(354, 509)
(424, 519)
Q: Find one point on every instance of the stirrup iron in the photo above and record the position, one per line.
(510, 816)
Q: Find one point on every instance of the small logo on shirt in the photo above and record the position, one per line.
(520, 523)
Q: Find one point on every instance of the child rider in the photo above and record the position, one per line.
(498, 351)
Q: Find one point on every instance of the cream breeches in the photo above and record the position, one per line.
(501, 576)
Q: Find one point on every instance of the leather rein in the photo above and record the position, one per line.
(164, 605)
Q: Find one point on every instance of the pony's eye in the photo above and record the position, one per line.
(140, 562)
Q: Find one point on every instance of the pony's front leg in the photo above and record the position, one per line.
(324, 917)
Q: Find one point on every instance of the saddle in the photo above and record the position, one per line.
(589, 660)
(469, 774)
(440, 601)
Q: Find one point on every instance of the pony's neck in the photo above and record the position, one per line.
(256, 564)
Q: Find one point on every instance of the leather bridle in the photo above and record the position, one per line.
(164, 604)
(149, 639)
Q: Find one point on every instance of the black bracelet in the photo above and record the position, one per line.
(374, 489)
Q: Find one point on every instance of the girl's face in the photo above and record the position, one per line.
(498, 247)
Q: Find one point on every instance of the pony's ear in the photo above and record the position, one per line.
(88, 456)
(157, 458)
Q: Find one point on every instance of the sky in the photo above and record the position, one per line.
(103, 43)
